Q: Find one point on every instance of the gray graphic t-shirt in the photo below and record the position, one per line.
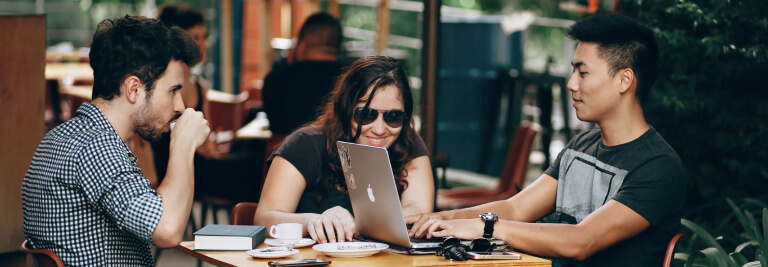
(645, 174)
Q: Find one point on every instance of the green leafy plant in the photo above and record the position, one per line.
(753, 247)
(709, 98)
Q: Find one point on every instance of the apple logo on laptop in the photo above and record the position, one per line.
(370, 193)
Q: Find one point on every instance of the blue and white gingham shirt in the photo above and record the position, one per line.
(85, 199)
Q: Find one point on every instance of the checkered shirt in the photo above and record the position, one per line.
(85, 199)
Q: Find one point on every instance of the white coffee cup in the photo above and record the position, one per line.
(286, 231)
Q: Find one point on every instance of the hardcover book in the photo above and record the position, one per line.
(229, 237)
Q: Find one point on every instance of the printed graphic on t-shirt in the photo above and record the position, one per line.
(584, 185)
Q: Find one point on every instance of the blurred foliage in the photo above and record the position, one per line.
(488, 6)
(543, 8)
(751, 238)
(543, 43)
(710, 101)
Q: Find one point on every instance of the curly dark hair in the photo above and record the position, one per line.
(140, 46)
(336, 117)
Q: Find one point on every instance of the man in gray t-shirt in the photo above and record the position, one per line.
(617, 192)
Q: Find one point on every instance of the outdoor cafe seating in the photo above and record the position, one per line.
(510, 182)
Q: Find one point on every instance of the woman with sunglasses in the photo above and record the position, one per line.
(371, 104)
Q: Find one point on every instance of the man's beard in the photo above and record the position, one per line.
(143, 121)
(148, 133)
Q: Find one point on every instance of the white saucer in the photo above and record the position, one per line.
(266, 254)
(304, 242)
(350, 249)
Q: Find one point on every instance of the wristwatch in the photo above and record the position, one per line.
(490, 219)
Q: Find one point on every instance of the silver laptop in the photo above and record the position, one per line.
(375, 201)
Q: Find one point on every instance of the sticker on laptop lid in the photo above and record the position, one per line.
(351, 181)
(346, 161)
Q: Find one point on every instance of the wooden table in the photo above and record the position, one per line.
(66, 56)
(83, 92)
(383, 259)
(254, 130)
(60, 78)
(76, 71)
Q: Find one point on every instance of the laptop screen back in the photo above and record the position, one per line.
(373, 192)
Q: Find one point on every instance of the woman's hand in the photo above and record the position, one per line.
(334, 225)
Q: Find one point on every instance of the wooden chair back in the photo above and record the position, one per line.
(43, 257)
(226, 112)
(511, 180)
(243, 213)
(516, 163)
(254, 101)
(671, 250)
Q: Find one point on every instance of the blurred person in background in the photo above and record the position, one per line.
(241, 169)
(293, 94)
(193, 94)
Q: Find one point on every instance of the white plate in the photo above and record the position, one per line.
(350, 249)
(304, 242)
(265, 254)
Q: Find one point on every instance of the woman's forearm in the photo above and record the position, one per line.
(415, 209)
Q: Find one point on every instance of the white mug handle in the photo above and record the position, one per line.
(273, 231)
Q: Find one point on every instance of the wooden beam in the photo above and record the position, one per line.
(254, 43)
(333, 8)
(297, 16)
(22, 87)
(285, 19)
(381, 43)
(300, 11)
(265, 51)
(313, 7)
(227, 74)
(429, 65)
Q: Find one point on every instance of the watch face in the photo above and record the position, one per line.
(489, 216)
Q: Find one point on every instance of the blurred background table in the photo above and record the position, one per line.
(254, 130)
(64, 70)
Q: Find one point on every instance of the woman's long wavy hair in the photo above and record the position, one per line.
(336, 117)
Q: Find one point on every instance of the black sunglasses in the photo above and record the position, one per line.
(452, 249)
(393, 118)
(480, 244)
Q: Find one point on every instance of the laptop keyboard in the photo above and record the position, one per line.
(426, 240)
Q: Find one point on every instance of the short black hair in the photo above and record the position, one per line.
(624, 43)
(140, 46)
(181, 15)
(321, 30)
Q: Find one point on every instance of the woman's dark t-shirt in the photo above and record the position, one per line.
(306, 150)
